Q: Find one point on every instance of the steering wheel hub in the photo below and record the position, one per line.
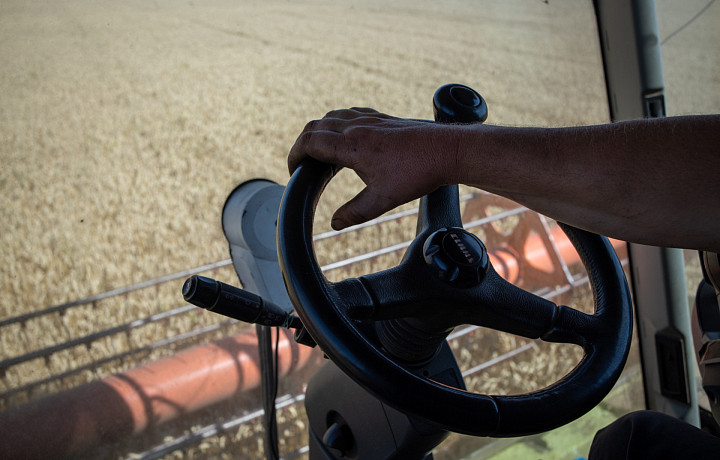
(456, 256)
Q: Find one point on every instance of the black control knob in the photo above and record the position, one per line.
(235, 303)
(456, 256)
(455, 103)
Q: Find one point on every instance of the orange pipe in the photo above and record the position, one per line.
(507, 262)
(110, 409)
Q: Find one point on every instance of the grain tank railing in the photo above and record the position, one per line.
(100, 358)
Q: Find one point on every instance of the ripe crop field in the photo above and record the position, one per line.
(124, 126)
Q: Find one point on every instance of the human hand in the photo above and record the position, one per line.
(398, 159)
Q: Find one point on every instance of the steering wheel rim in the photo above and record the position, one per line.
(471, 413)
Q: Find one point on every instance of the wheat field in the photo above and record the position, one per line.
(124, 125)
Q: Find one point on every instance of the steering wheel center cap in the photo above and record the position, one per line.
(456, 256)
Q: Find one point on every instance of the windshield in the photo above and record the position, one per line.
(125, 125)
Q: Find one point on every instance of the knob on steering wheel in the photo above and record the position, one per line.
(443, 281)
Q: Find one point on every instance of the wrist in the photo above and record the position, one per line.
(451, 153)
(461, 165)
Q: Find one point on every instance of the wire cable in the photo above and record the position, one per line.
(682, 27)
(269, 377)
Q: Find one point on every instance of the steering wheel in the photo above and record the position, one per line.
(445, 280)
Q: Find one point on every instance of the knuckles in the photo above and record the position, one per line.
(338, 113)
(310, 126)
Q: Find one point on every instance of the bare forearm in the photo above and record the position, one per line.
(649, 181)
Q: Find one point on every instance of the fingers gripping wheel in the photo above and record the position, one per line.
(339, 316)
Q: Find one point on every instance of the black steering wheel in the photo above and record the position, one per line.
(380, 327)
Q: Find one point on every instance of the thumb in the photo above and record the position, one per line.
(364, 206)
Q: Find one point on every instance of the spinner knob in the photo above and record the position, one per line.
(456, 256)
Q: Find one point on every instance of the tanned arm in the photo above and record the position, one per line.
(654, 181)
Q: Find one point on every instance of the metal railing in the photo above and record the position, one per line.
(20, 386)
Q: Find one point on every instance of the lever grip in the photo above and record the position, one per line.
(235, 303)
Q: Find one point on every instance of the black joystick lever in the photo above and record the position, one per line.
(243, 305)
(235, 303)
(239, 304)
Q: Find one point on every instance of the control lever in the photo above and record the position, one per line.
(242, 305)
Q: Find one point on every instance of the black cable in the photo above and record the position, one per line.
(679, 29)
(249, 307)
(274, 391)
(269, 377)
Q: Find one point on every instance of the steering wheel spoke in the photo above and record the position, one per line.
(500, 305)
(439, 209)
(572, 326)
(352, 298)
(388, 294)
